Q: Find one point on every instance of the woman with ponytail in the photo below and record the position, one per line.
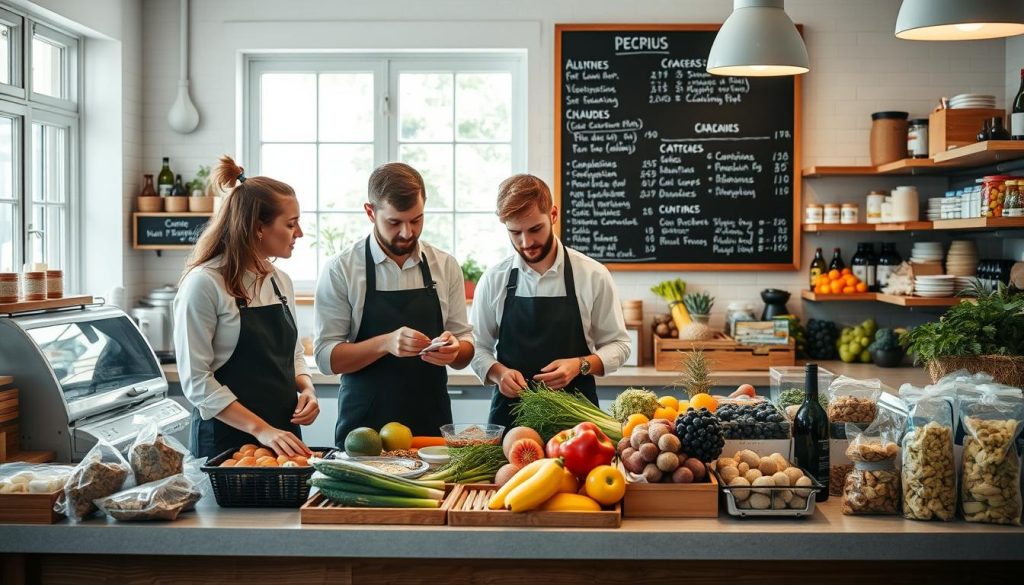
(239, 359)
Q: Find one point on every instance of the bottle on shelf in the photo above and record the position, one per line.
(810, 433)
(178, 190)
(1017, 112)
(837, 260)
(818, 266)
(147, 189)
(165, 180)
(864, 265)
(888, 260)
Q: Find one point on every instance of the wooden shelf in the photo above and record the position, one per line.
(882, 298)
(973, 155)
(25, 306)
(979, 223)
(854, 297)
(838, 227)
(976, 223)
(907, 226)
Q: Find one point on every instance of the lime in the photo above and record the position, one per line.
(363, 441)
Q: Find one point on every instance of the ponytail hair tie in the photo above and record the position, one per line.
(241, 177)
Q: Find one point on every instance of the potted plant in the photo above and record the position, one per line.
(699, 305)
(471, 273)
(984, 335)
(886, 351)
(199, 194)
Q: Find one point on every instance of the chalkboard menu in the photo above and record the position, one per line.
(167, 231)
(661, 165)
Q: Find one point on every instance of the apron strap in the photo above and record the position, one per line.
(428, 280)
(510, 289)
(284, 303)
(371, 268)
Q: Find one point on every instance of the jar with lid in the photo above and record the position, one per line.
(33, 286)
(849, 213)
(888, 137)
(738, 311)
(814, 213)
(993, 191)
(864, 265)
(874, 206)
(888, 260)
(917, 138)
(833, 213)
(1013, 205)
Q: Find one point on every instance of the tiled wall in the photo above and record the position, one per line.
(857, 67)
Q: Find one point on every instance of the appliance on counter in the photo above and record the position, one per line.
(774, 303)
(85, 374)
(156, 321)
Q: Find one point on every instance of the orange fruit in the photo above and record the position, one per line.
(282, 459)
(822, 289)
(833, 275)
(668, 414)
(846, 271)
(631, 422)
(669, 402)
(848, 290)
(703, 400)
(861, 287)
(246, 462)
(836, 287)
(301, 461)
(263, 452)
(268, 462)
(229, 463)
(850, 280)
(683, 405)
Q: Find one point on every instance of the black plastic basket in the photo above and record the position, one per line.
(260, 487)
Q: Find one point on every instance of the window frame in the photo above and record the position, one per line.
(69, 68)
(16, 23)
(387, 67)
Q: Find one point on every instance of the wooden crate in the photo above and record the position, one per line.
(951, 128)
(470, 509)
(671, 500)
(320, 510)
(29, 508)
(724, 353)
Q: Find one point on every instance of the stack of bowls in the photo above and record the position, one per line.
(927, 252)
(942, 285)
(962, 259)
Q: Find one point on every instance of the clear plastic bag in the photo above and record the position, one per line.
(990, 488)
(873, 486)
(154, 456)
(853, 401)
(30, 478)
(929, 469)
(159, 500)
(103, 471)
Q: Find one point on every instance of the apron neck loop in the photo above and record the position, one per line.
(371, 269)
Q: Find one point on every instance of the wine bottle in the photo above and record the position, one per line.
(810, 433)
(837, 260)
(818, 266)
(1017, 115)
(178, 190)
(165, 180)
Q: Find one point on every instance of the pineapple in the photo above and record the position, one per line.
(696, 374)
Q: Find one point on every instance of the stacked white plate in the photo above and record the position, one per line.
(962, 259)
(934, 208)
(927, 252)
(972, 100)
(934, 286)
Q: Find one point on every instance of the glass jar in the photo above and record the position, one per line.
(54, 284)
(833, 213)
(8, 287)
(917, 138)
(1013, 206)
(849, 213)
(33, 286)
(874, 206)
(993, 191)
(814, 213)
(738, 311)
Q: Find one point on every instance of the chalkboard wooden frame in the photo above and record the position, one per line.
(796, 161)
(166, 214)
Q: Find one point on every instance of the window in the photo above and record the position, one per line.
(323, 124)
(38, 144)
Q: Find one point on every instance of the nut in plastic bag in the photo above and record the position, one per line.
(103, 471)
(853, 401)
(929, 467)
(159, 500)
(154, 456)
(873, 486)
(990, 475)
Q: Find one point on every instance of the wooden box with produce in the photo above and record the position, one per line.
(725, 353)
(28, 493)
(29, 508)
(471, 509)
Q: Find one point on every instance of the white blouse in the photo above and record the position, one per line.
(206, 328)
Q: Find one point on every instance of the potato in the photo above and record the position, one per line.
(763, 482)
(780, 461)
(781, 479)
(793, 473)
(724, 462)
(798, 503)
(752, 475)
(767, 466)
(669, 443)
(728, 474)
(652, 474)
(697, 467)
(804, 481)
(739, 494)
(749, 457)
(743, 467)
(667, 462)
(760, 502)
(649, 451)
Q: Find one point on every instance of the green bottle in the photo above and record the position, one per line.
(165, 180)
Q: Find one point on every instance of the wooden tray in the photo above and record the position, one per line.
(29, 508)
(671, 500)
(724, 352)
(470, 509)
(320, 510)
(25, 306)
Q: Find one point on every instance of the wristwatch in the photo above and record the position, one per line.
(584, 366)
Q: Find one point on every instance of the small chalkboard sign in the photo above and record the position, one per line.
(167, 231)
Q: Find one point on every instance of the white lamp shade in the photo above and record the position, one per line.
(959, 20)
(758, 40)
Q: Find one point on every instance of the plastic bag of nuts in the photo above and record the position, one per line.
(990, 480)
(154, 456)
(853, 401)
(929, 470)
(873, 486)
(837, 478)
(102, 472)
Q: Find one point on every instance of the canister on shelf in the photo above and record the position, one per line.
(8, 287)
(1013, 206)
(905, 204)
(888, 137)
(993, 190)
(833, 213)
(917, 138)
(887, 210)
(849, 213)
(874, 206)
(54, 284)
(814, 213)
(33, 286)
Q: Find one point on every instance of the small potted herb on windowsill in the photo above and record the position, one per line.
(200, 194)
(471, 273)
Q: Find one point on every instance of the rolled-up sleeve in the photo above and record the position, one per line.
(195, 323)
(332, 310)
(485, 328)
(608, 326)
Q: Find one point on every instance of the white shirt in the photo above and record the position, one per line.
(600, 310)
(206, 328)
(341, 292)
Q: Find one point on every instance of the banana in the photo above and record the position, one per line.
(536, 490)
(570, 503)
(497, 501)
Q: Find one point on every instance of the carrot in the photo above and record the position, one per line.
(420, 442)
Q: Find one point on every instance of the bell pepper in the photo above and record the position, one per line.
(586, 448)
(554, 447)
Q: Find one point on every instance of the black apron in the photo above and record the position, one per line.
(535, 331)
(260, 373)
(406, 390)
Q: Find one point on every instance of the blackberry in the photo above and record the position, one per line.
(700, 434)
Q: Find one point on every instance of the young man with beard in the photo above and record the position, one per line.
(546, 313)
(380, 304)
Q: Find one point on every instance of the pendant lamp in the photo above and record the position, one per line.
(758, 40)
(183, 116)
(959, 20)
